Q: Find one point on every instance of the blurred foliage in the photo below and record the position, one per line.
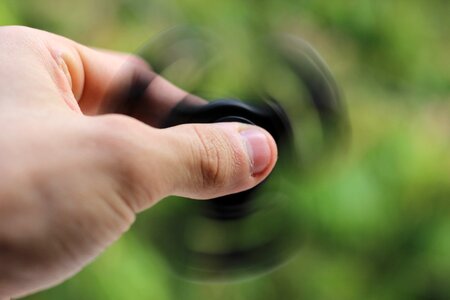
(377, 221)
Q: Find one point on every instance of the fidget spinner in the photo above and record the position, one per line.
(281, 84)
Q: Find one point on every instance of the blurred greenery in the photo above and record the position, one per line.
(378, 219)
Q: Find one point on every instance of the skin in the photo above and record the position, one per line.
(75, 171)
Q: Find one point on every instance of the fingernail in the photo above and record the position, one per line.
(258, 149)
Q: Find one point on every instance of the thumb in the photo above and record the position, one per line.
(212, 160)
(199, 161)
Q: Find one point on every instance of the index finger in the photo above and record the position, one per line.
(123, 83)
(110, 82)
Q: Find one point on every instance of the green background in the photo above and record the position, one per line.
(378, 220)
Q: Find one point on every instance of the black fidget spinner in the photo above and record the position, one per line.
(293, 96)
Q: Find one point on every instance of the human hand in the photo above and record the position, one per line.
(73, 172)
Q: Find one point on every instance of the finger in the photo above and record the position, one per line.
(199, 161)
(121, 83)
(102, 81)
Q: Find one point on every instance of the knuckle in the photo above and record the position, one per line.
(112, 127)
(112, 137)
(25, 39)
(117, 122)
(17, 34)
(138, 61)
(222, 163)
(14, 30)
(211, 158)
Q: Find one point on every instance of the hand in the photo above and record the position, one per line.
(73, 174)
